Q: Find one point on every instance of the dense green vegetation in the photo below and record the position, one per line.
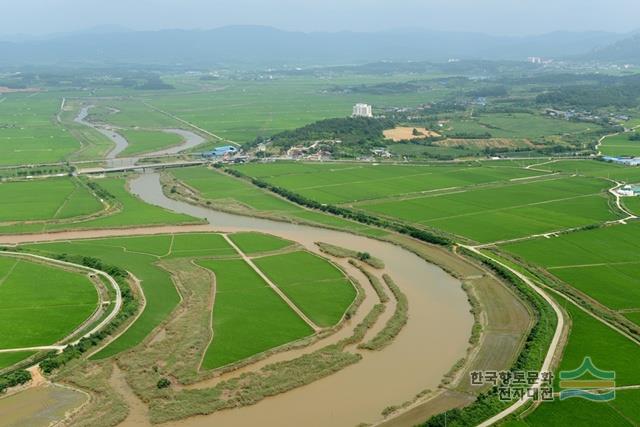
(44, 303)
(248, 316)
(317, 287)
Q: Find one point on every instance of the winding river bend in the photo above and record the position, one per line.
(432, 341)
(189, 140)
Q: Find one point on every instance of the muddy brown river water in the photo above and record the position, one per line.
(435, 337)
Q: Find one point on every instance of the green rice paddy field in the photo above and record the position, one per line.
(603, 263)
(314, 285)
(46, 199)
(40, 304)
(620, 145)
(242, 298)
(50, 200)
(476, 201)
(248, 316)
(224, 189)
(29, 133)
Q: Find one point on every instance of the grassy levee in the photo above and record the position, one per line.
(340, 252)
(146, 141)
(530, 358)
(248, 316)
(254, 243)
(395, 324)
(313, 284)
(44, 303)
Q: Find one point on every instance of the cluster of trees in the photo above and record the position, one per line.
(610, 92)
(379, 88)
(53, 360)
(346, 213)
(361, 131)
(13, 379)
(634, 136)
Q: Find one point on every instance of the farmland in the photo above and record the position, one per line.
(602, 263)
(237, 309)
(29, 133)
(621, 145)
(44, 303)
(482, 203)
(319, 289)
(145, 141)
(51, 199)
(248, 317)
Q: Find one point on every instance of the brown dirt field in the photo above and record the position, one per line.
(406, 133)
(483, 143)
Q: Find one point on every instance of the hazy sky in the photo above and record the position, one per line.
(488, 16)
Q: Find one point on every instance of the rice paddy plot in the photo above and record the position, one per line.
(248, 316)
(230, 192)
(29, 133)
(603, 263)
(41, 304)
(621, 145)
(623, 411)
(346, 183)
(46, 199)
(313, 284)
(252, 243)
(508, 211)
(609, 350)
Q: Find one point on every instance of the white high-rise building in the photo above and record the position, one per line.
(362, 110)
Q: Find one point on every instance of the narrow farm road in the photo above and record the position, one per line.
(553, 348)
(272, 285)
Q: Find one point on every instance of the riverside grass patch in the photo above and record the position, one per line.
(312, 283)
(248, 316)
(603, 263)
(41, 304)
(140, 256)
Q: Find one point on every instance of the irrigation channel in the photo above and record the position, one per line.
(434, 339)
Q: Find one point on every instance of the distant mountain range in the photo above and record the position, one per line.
(266, 46)
(626, 50)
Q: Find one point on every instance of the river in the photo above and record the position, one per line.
(435, 337)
